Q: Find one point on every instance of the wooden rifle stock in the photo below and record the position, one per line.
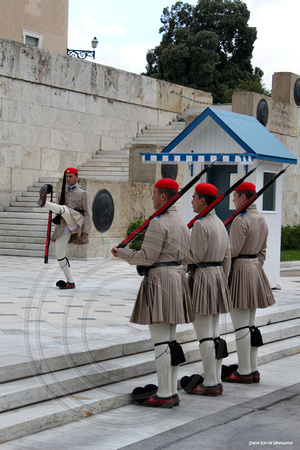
(253, 198)
(165, 207)
(220, 198)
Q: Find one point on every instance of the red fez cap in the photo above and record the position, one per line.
(206, 188)
(72, 170)
(246, 186)
(167, 183)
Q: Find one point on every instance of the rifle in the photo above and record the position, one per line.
(62, 200)
(165, 207)
(254, 197)
(220, 198)
(48, 234)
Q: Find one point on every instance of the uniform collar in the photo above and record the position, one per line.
(71, 188)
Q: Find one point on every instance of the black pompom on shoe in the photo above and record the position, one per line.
(139, 394)
(189, 382)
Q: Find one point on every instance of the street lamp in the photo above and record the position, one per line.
(82, 54)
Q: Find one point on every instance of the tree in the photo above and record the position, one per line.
(208, 46)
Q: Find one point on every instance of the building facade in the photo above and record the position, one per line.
(40, 23)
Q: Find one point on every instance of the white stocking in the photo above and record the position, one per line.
(60, 253)
(63, 210)
(240, 319)
(161, 332)
(204, 329)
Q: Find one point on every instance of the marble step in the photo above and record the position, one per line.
(29, 246)
(101, 166)
(30, 196)
(147, 140)
(172, 126)
(25, 226)
(25, 207)
(114, 176)
(108, 159)
(58, 383)
(37, 232)
(36, 389)
(18, 219)
(20, 252)
(13, 240)
(270, 320)
(51, 413)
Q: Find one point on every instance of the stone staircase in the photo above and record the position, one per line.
(23, 226)
(60, 389)
(106, 165)
(159, 135)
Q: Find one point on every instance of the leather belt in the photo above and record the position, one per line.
(143, 271)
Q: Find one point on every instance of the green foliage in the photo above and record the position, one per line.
(137, 242)
(290, 237)
(208, 46)
(290, 255)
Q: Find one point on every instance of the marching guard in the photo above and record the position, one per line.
(163, 300)
(73, 221)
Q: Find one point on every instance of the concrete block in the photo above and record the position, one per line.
(20, 134)
(31, 158)
(41, 137)
(50, 160)
(5, 179)
(76, 101)
(59, 98)
(50, 117)
(10, 156)
(5, 87)
(4, 132)
(283, 87)
(31, 114)
(139, 172)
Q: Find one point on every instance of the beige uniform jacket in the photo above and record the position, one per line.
(165, 297)
(248, 234)
(210, 243)
(249, 287)
(77, 197)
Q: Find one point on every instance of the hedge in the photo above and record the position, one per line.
(290, 237)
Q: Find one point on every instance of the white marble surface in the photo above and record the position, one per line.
(38, 322)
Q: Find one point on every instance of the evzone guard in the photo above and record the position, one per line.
(249, 286)
(73, 221)
(163, 300)
(209, 266)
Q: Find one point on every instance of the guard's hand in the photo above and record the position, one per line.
(84, 235)
(114, 252)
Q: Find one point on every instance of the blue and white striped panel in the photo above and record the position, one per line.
(196, 157)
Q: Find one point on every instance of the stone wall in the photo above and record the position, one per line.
(283, 121)
(56, 111)
(132, 201)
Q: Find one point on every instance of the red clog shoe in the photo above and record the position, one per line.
(158, 402)
(212, 391)
(256, 376)
(235, 377)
